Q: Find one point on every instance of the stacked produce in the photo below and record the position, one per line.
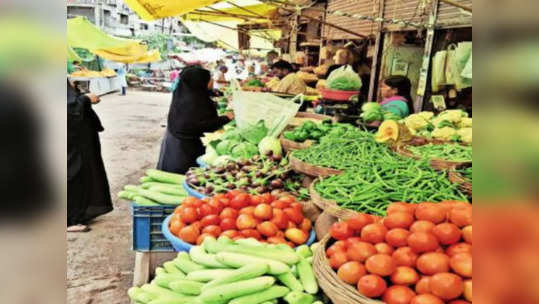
(450, 152)
(454, 125)
(466, 173)
(372, 111)
(416, 254)
(312, 131)
(156, 188)
(239, 215)
(240, 272)
(256, 175)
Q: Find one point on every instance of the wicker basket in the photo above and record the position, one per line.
(337, 290)
(323, 224)
(464, 184)
(329, 206)
(437, 164)
(311, 170)
(290, 145)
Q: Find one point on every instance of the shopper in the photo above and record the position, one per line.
(219, 79)
(289, 82)
(123, 81)
(396, 93)
(191, 113)
(174, 74)
(88, 194)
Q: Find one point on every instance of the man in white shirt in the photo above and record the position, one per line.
(219, 79)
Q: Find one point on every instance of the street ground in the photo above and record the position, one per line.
(100, 262)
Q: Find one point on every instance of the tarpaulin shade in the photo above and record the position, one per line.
(257, 13)
(157, 9)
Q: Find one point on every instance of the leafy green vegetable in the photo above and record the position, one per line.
(255, 82)
(254, 133)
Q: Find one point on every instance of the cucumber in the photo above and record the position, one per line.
(244, 273)
(237, 260)
(200, 256)
(236, 289)
(271, 293)
(309, 260)
(190, 300)
(169, 190)
(187, 266)
(163, 293)
(147, 185)
(146, 179)
(131, 188)
(160, 197)
(160, 270)
(290, 281)
(208, 274)
(306, 277)
(165, 177)
(296, 297)
(171, 268)
(223, 240)
(250, 242)
(284, 247)
(213, 246)
(139, 295)
(127, 195)
(186, 287)
(165, 279)
(304, 251)
(142, 201)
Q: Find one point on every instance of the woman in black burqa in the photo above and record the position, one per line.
(88, 194)
(191, 113)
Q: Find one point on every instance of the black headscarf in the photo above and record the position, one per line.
(192, 112)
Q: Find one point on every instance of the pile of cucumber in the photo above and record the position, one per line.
(235, 272)
(156, 188)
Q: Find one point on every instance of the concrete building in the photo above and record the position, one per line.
(116, 18)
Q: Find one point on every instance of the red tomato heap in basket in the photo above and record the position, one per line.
(240, 215)
(417, 254)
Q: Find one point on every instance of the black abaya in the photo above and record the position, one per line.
(88, 194)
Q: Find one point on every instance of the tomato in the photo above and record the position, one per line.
(210, 220)
(276, 240)
(447, 286)
(384, 248)
(227, 224)
(337, 259)
(267, 229)
(398, 295)
(190, 201)
(229, 213)
(306, 225)
(230, 233)
(447, 233)
(268, 198)
(291, 225)
(374, 233)
(371, 285)
(213, 230)
(240, 201)
(250, 233)
(201, 238)
(294, 215)
(337, 246)
(459, 301)
(461, 216)
(232, 193)
(467, 234)
(423, 226)
(176, 226)
(297, 206)
(297, 236)
(458, 248)
(400, 207)
(422, 286)
(433, 262)
(351, 272)
(279, 233)
(404, 275)
(360, 251)
(225, 201)
(398, 220)
(279, 204)
(263, 212)
(217, 205)
(189, 215)
(280, 219)
(462, 264)
(205, 210)
(256, 200)
(197, 225)
(245, 221)
(341, 231)
(178, 209)
(397, 237)
(189, 234)
(250, 210)
(349, 241)
(359, 221)
(426, 299)
(468, 290)
(380, 264)
(422, 242)
(405, 256)
(430, 212)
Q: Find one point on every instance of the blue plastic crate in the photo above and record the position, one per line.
(147, 234)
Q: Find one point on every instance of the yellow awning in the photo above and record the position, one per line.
(149, 56)
(157, 9)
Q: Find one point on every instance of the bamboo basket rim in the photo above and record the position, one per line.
(310, 169)
(290, 145)
(464, 184)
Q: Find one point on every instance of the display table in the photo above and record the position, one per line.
(100, 85)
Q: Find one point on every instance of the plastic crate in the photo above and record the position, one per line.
(147, 234)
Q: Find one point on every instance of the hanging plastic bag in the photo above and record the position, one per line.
(451, 73)
(438, 71)
(462, 55)
(344, 79)
(467, 71)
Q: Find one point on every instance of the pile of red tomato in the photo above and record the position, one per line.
(239, 215)
(417, 254)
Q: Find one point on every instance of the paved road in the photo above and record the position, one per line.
(100, 262)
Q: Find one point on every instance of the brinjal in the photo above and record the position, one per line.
(277, 183)
(230, 186)
(260, 189)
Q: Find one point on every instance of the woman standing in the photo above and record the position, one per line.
(88, 194)
(396, 93)
(191, 113)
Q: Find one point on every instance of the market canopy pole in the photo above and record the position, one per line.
(462, 6)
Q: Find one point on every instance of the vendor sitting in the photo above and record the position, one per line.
(289, 82)
(395, 91)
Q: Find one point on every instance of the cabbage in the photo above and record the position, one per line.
(268, 144)
(370, 107)
(254, 133)
(222, 160)
(210, 156)
(244, 150)
(225, 147)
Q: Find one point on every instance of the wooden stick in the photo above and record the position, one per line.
(464, 7)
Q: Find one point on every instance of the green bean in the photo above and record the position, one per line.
(450, 152)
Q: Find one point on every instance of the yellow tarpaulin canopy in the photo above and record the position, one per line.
(81, 33)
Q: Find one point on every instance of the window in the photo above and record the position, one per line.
(124, 19)
(143, 26)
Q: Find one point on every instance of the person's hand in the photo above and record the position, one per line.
(93, 98)
(230, 115)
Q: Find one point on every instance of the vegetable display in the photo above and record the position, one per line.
(372, 111)
(312, 131)
(255, 82)
(416, 254)
(449, 125)
(233, 272)
(450, 152)
(156, 188)
(239, 215)
(256, 175)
